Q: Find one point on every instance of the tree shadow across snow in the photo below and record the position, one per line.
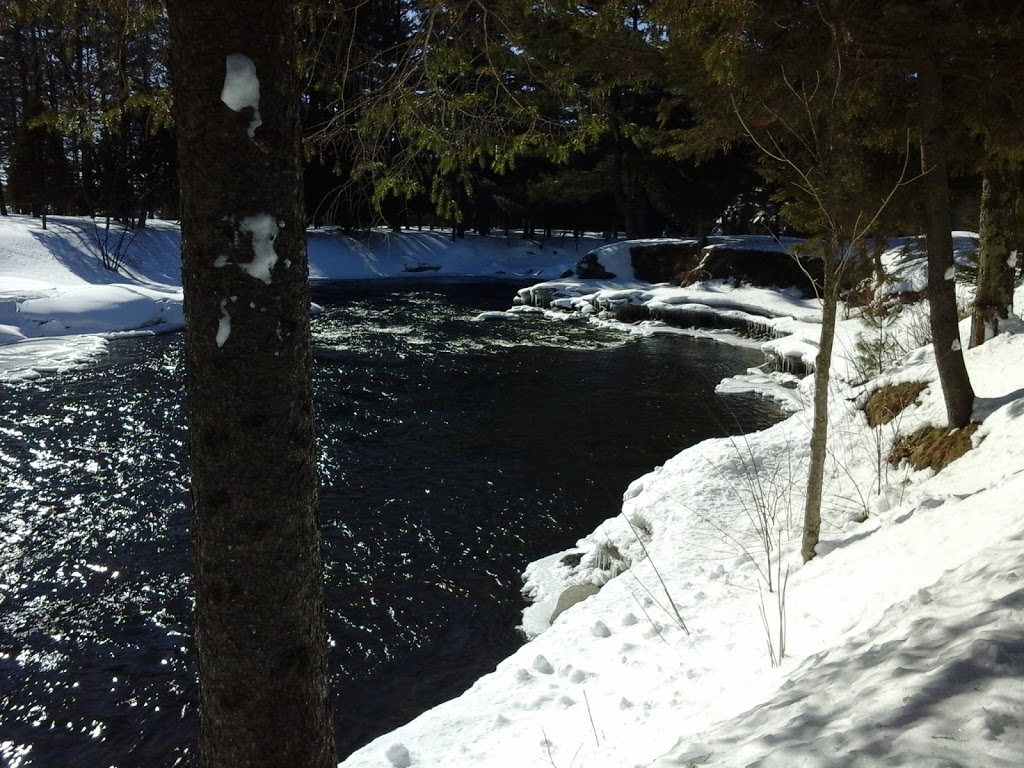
(945, 692)
(986, 406)
(74, 243)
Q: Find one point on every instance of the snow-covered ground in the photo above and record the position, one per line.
(56, 297)
(901, 644)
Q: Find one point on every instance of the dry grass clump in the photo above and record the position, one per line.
(886, 403)
(935, 447)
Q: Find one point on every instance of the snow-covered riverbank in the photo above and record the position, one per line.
(899, 644)
(902, 639)
(58, 303)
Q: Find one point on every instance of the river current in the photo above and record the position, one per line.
(452, 452)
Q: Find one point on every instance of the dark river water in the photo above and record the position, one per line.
(452, 453)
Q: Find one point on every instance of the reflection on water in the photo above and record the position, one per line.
(452, 452)
(94, 606)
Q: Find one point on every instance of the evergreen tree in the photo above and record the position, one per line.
(479, 87)
(993, 89)
(961, 59)
(607, 57)
(260, 636)
(84, 113)
(999, 249)
(349, 55)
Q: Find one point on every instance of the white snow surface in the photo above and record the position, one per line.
(903, 637)
(784, 313)
(262, 229)
(902, 259)
(59, 305)
(224, 324)
(241, 88)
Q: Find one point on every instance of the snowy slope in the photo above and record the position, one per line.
(903, 639)
(381, 253)
(55, 294)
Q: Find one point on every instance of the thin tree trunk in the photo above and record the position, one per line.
(619, 193)
(994, 299)
(949, 357)
(3, 202)
(482, 211)
(819, 426)
(260, 636)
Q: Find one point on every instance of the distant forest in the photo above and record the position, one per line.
(637, 118)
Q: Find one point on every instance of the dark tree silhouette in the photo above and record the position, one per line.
(260, 635)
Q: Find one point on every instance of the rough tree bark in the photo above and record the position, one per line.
(994, 299)
(258, 572)
(949, 357)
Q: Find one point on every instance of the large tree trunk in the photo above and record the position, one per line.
(994, 299)
(258, 572)
(819, 428)
(949, 357)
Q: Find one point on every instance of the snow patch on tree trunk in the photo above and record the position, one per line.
(263, 229)
(224, 327)
(242, 88)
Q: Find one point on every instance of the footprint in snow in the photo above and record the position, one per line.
(542, 665)
(578, 676)
(398, 756)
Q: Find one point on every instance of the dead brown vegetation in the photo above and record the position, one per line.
(887, 403)
(935, 447)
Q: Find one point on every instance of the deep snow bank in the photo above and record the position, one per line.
(56, 295)
(414, 253)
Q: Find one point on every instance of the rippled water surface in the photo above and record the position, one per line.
(452, 452)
